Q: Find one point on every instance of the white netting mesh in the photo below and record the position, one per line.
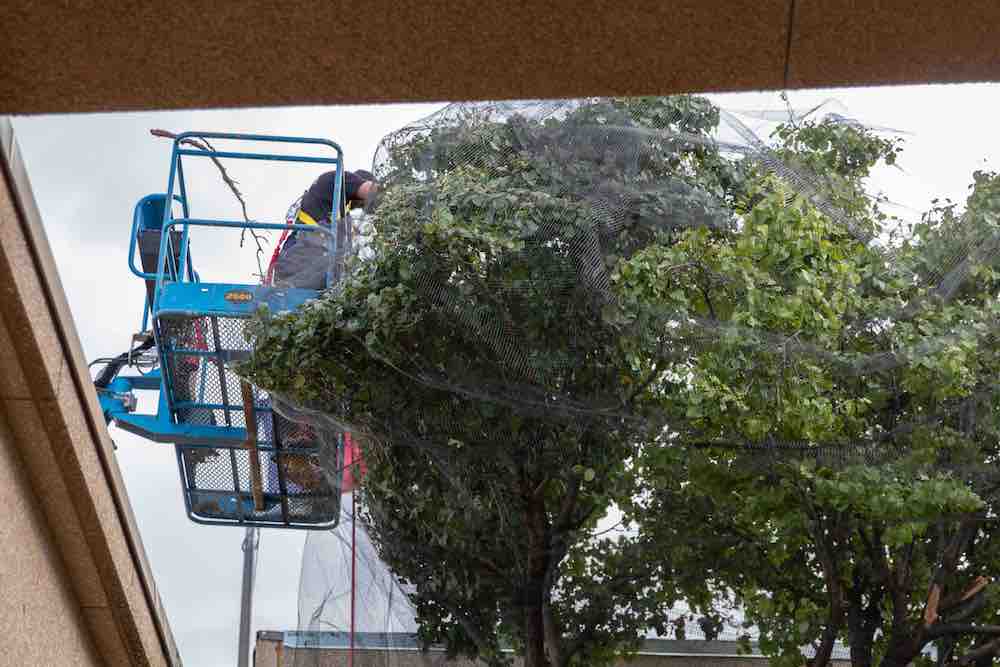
(637, 308)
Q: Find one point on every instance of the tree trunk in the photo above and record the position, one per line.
(553, 637)
(861, 641)
(534, 634)
(536, 626)
(900, 653)
(861, 655)
(862, 619)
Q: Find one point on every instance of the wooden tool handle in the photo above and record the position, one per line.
(250, 416)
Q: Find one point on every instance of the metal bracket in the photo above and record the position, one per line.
(137, 340)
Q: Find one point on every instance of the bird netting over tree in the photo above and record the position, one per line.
(610, 358)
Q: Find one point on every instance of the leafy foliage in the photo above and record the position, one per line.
(869, 378)
(594, 311)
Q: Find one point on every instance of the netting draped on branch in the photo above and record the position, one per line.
(570, 305)
(497, 209)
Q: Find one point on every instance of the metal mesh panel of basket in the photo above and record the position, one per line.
(295, 490)
(199, 352)
(197, 349)
(209, 469)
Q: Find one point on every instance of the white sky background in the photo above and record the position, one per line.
(87, 172)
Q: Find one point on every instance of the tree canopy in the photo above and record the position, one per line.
(576, 313)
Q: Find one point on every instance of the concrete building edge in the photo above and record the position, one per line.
(23, 199)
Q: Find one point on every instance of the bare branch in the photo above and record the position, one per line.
(931, 607)
(826, 551)
(977, 585)
(968, 608)
(987, 650)
(204, 145)
(946, 629)
(949, 560)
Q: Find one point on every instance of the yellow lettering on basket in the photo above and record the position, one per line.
(239, 296)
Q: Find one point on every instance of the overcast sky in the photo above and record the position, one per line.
(87, 172)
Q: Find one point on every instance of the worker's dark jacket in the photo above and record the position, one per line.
(317, 202)
(305, 259)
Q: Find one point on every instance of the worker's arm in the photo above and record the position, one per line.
(359, 190)
(366, 190)
(359, 187)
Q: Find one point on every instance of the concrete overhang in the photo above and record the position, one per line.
(101, 56)
(48, 404)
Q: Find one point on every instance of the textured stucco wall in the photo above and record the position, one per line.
(66, 525)
(39, 617)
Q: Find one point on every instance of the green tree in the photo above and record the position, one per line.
(592, 311)
(476, 357)
(838, 434)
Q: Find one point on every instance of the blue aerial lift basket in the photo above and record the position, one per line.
(240, 462)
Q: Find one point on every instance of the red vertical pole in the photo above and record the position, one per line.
(354, 559)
